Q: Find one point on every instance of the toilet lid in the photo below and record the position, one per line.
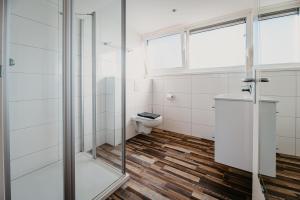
(148, 119)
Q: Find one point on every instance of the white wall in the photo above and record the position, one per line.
(191, 112)
(138, 88)
(139, 97)
(284, 86)
(108, 73)
(33, 85)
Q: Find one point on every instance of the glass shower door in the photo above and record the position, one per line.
(97, 58)
(64, 91)
(277, 99)
(34, 99)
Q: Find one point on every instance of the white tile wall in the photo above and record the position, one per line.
(191, 111)
(297, 147)
(284, 86)
(286, 145)
(34, 86)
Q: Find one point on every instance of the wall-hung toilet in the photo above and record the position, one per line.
(145, 124)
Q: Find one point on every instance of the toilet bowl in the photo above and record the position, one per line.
(145, 125)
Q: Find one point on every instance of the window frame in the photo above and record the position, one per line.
(273, 13)
(183, 51)
(216, 26)
(251, 63)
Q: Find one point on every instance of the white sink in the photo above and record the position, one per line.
(243, 97)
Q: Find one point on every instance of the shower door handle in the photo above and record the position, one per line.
(263, 80)
(253, 80)
(249, 80)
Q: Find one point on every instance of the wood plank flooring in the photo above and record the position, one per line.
(165, 165)
(286, 185)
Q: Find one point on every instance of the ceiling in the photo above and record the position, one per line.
(146, 16)
(150, 15)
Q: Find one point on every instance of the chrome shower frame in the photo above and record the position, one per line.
(68, 132)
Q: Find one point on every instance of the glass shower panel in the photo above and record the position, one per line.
(278, 96)
(109, 73)
(97, 96)
(35, 99)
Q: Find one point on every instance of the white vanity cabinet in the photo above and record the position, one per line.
(234, 129)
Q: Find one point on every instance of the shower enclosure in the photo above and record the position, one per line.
(63, 97)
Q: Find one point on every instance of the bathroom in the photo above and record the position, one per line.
(150, 99)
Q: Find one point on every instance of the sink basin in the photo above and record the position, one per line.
(243, 97)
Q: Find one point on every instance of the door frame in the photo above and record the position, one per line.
(5, 187)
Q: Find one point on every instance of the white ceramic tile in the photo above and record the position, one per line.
(279, 86)
(209, 84)
(100, 136)
(203, 131)
(88, 125)
(277, 73)
(177, 126)
(203, 101)
(32, 86)
(101, 121)
(297, 147)
(178, 114)
(118, 136)
(101, 85)
(41, 11)
(286, 106)
(297, 106)
(31, 113)
(33, 162)
(33, 139)
(180, 100)
(285, 126)
(203, 117)
(110, 120)
(235, 83)
(88, 142)
(110, 137)
(286, 145)
(158, 110)
(118, 121)
(158, 98)
(177, 85)
(27, 32)
(130, 86)
(158, 85)
(143, 85)
(110, 103)
(130, 100)
(110, 85)
(130, 131)
(33, 60)
(87, 86)
(298, 128)
(100, 103)
(142, 99)
(145, 108)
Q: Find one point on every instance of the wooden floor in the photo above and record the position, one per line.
(286, 185)
(165, 165)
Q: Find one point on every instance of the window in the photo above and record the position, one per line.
(165, 52)
(219, 45)
(279, 37)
